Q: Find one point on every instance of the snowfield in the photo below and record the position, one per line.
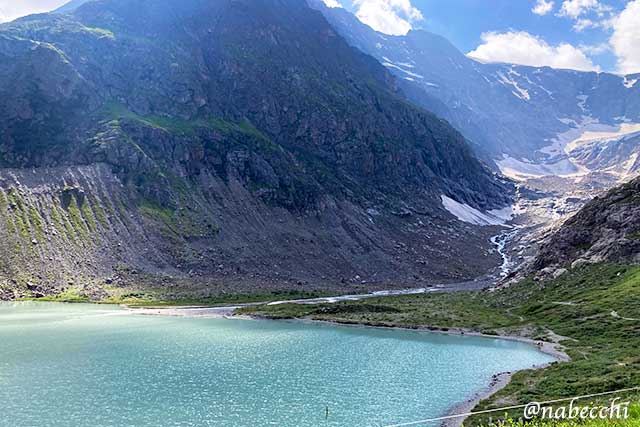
(472, 215)
(560, 161)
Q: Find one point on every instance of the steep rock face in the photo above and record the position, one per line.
(522, 117)
(233, 142)
(606, 229)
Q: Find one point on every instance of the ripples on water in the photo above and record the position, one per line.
(84, 365)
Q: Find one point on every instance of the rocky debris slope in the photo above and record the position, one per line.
(221, 145)
(605, 229)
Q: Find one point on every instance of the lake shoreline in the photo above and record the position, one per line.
(497, 383)
(550, 348)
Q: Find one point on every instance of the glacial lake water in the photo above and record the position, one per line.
(85, 365)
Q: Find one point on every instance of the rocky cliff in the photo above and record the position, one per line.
(200, 146)
(607, 229)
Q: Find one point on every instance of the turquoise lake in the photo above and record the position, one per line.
(86, 365)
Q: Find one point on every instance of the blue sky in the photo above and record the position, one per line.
(463, 22)
(565, 29)
(601, 35)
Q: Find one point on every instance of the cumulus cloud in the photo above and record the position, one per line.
(542, 7)
(393, 17)
(587, 14)
(625, 40)
(520, 47)
(576, 8)
(332, 3)
(13, 9)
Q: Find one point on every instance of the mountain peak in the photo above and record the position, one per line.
(236, 133)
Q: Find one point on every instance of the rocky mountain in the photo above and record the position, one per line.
(607, 229)
(526, 119)
(209, 145)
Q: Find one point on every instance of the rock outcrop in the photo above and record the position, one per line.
(607, 229)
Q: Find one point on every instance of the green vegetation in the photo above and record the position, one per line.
(71, 295)
(8, 219)
(99, 32)
(164, 216)
(178, 223)
(116, 111)
(634, 236)
(61, 223)
(75, 216)
(99, 212)
(20, 216)
(632, 421)
(150, 298)
(36, 222)
(596, 308)
(87, 214)
(435, 311)
(123, 214)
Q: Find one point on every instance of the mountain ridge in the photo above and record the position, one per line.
(518, 116)
(198, 147)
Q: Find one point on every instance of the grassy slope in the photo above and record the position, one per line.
(578, 305)
(632, 421)
(151, 298)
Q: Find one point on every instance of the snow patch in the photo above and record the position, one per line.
(629, 165)
(560, 163)
(505, 214)
(582, 102)
(524, 169)
(389, 64)
(600, 132)
(629, 83)
(332, 3)
(508, 81)
(568, 121)
(472, 215)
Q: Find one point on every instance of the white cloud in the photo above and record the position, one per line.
(542, 7)
(595, 49)
(587, 14)
(576, 8)
(393, 17)
(625, 40)
(519, 47)
(332, 3)
(583, 23)
(13, 9)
